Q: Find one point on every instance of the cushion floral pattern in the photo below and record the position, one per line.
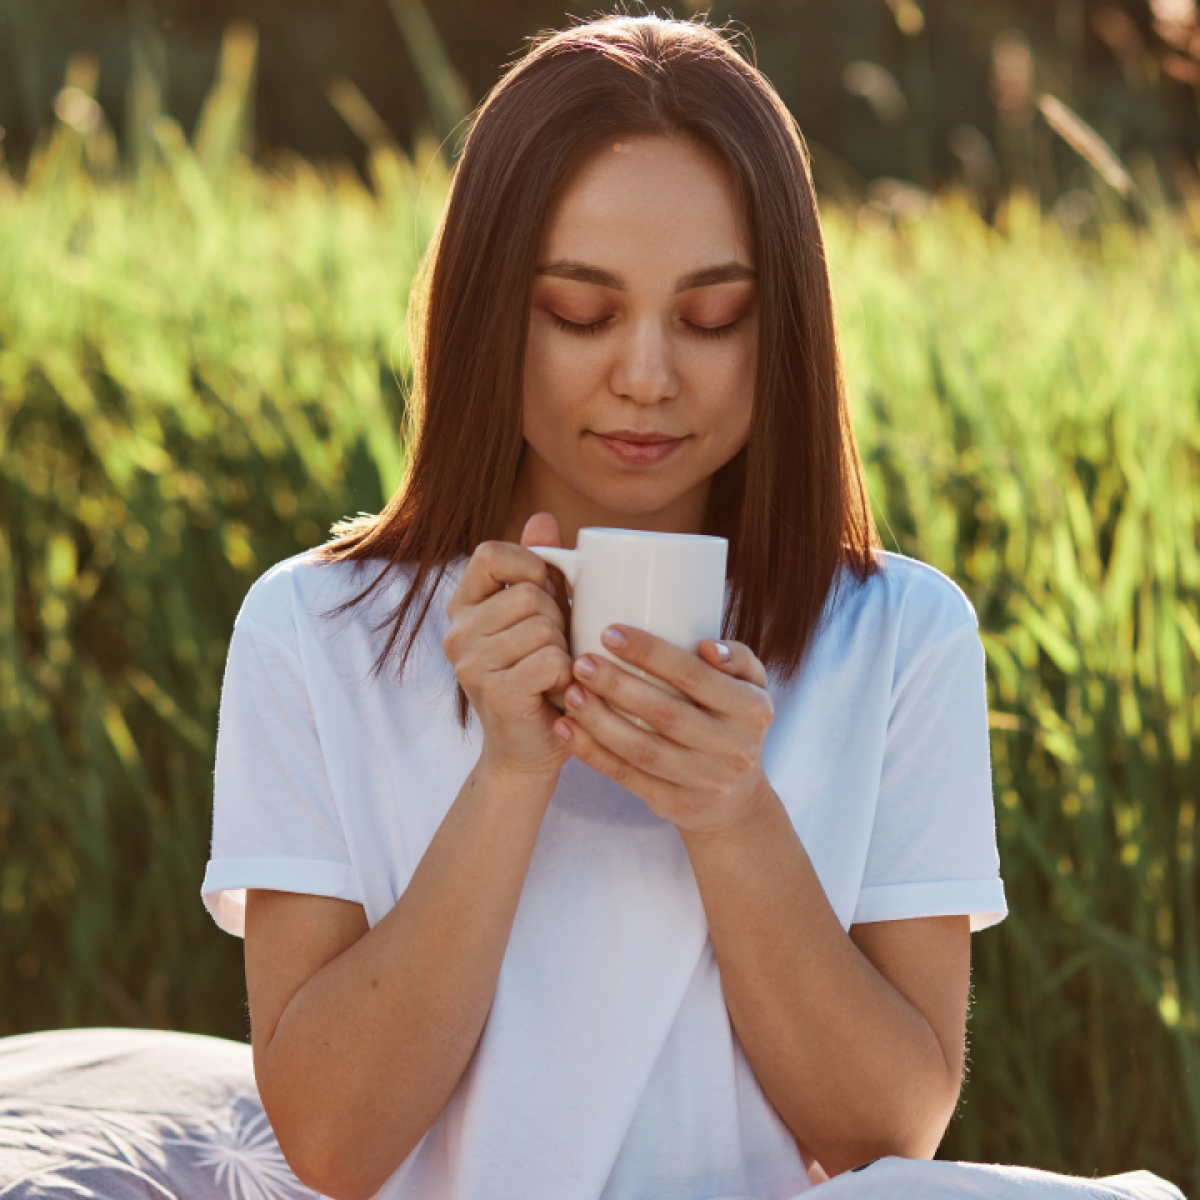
(134, 1114)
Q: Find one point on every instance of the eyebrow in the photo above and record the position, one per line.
(566, 268)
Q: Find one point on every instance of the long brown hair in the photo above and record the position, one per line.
(792, 502)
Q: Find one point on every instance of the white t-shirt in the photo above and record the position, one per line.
(608, 1068)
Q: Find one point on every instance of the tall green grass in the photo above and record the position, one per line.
(199, 372)
(1029, 409)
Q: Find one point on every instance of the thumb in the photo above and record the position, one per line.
(541, 530)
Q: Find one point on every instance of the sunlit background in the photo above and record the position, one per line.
(210, 214)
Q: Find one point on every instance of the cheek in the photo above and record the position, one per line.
(735, 431)
(554, 377)
(537, 365)
(539, 388)
(736, 388)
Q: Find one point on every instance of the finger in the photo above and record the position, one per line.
(506, 649)
(514, 604)
(657, 794)
(541, 530)
(650, 754)
(737, 661)
(545, 670)
(492, 566)
(669, 715)
(521, 691)
(715, 688)
(503, 610)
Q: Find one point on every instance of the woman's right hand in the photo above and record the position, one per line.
(508, 647)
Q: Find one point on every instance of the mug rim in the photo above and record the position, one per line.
(615, 532)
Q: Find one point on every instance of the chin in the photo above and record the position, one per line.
(633, 506)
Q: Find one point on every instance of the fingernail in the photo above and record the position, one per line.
(722, 651)
(551, 590)
(585, 667)
(612, 637)
(563, 730)
(575, 696)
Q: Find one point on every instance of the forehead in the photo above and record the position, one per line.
(669, 198)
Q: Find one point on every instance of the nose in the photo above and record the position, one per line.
(644, 370)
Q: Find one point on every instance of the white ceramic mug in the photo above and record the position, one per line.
(669, 584)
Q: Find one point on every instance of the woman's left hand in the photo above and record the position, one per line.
(700, 765)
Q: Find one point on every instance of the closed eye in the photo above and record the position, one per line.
(580, 330)
(712, 331)
(703, 331)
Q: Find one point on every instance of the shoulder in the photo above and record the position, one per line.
(922, 595)
(299, 589)
(902, 611)
(296, 594)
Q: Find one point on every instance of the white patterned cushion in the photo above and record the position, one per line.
(918, 1179)
(135, 1114)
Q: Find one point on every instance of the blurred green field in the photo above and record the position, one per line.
(200, 371)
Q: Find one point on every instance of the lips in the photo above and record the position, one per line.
(640, 448)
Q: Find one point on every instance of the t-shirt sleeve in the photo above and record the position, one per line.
(275, 823)
(933, 843)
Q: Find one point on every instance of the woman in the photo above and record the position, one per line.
(494, 949)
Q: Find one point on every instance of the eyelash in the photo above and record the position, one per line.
(716, 331)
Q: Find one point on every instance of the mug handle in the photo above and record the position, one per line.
(567, 561)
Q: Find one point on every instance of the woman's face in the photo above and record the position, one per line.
(639, 368)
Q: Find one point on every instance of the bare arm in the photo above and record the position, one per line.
(856, 1039)
(360, 1036)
